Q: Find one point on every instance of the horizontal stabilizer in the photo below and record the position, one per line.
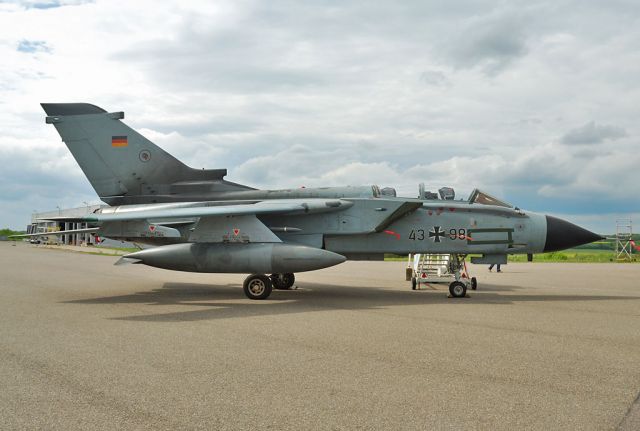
(58, 232)
(67, 219)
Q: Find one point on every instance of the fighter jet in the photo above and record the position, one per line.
(197, 221)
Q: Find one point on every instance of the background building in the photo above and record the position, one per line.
(43, 226)
(38, 225)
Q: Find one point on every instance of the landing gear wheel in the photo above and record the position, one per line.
(474, 283)
(278, 281)
(414, 283)
(457, 289)
(289, 279)
(257, 286)
(283, 281)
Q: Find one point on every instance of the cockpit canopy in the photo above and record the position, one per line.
(479, 197)
(448, 194)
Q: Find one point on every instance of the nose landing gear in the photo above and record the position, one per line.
(458, 289)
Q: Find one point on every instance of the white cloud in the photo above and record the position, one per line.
(490, 41)
(288, 93)
(592, 133)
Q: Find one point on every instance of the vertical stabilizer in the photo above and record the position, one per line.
(120, 162)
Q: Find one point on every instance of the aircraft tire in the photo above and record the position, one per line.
(474, 283)
(290, 279)
(283, 281)
(414, 283)
(257, 286)
(278, 281)
(457, 289)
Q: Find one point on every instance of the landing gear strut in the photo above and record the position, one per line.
(257, 286)
(458, 267)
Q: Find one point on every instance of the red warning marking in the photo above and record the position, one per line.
(152, 227)
(236, 232)
(452, 209)
(430, 212)
(390, 232)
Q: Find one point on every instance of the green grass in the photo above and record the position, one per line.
(110, 251)
(571, 255)
(574, 255)
(127, 249)
(105, 253)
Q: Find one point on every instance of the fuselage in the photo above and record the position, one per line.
(370, 226)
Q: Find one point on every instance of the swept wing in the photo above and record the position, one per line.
(283, 207)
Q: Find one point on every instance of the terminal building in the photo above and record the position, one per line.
(40, 224)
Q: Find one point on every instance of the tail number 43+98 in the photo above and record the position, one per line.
(436, 234)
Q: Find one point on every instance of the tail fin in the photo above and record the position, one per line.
(122, 165)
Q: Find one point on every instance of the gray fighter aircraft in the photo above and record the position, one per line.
(199, 222)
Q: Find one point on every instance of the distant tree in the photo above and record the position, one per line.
(6, 232)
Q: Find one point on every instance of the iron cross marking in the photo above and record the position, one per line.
(436, 233)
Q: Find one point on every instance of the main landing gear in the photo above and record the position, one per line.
(260, 286)
(257, 286)
(283, 281)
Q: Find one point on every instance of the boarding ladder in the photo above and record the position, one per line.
(427, 265)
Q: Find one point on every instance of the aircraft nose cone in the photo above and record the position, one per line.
(562, 235)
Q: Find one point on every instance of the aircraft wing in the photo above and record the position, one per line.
(289, 206)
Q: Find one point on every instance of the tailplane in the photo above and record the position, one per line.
(125, 167)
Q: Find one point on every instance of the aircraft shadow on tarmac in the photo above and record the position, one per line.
(228, 301)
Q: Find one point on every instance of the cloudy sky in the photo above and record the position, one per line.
(536, 101)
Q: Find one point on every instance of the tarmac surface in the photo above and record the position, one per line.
(86, 345)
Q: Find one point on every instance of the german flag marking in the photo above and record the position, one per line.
(119, 141)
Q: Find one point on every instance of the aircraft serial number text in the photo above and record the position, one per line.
(436, 234)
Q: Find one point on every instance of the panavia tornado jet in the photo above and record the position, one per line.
(197, 221)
